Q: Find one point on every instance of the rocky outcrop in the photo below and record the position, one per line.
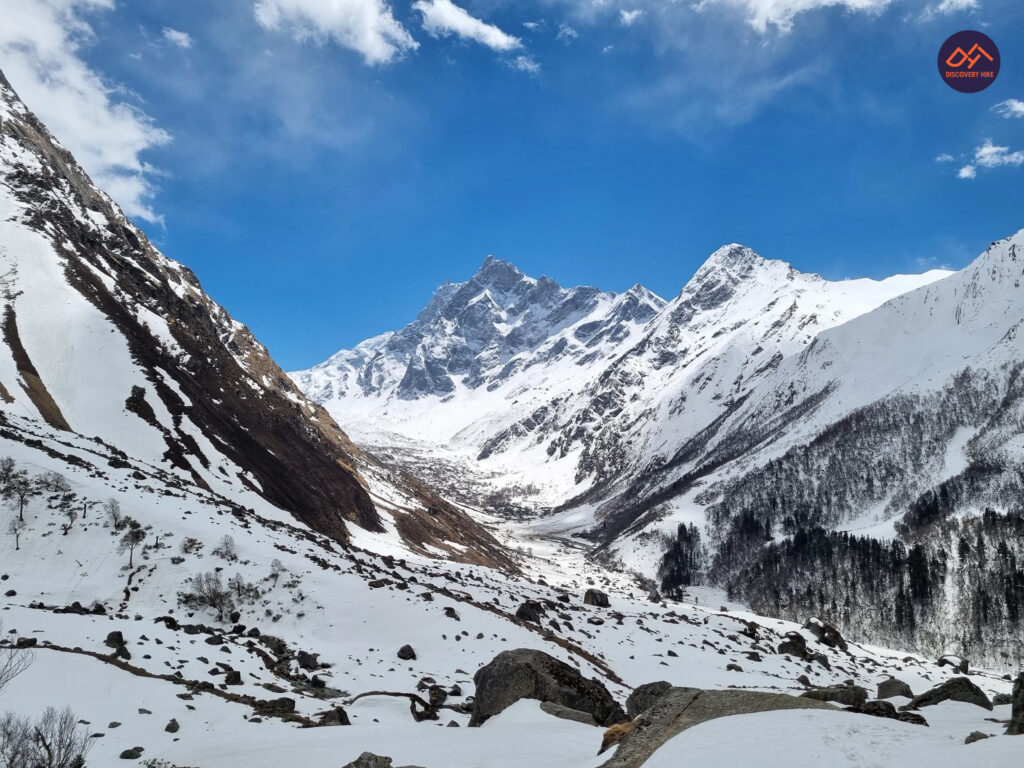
(530, 674)
(957, 689)
(682, 708)
(643, 696)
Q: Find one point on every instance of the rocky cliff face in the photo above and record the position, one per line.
(106, 337)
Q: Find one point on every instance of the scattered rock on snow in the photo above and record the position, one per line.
(406, 653)
(974, 736)
(596, 598)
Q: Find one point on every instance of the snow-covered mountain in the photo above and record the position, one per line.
(758, 405)
(106, 339)
(554, 391)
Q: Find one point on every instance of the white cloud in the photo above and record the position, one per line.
(988, 155)
(780, 13)
(40, 46)
(566, 33)
(1010, 108)
(533, 26)
(177, 37)
(526, 64)
(628, 18)
(443, 17)
(967, 172)
(953, 6)
(607, 49)
(945, 157)
(364, 26)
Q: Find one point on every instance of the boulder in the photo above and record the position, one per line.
(886, 709)
(1016, 727)
(850, 695)
(825, 633)
(682, 708)
(308, 661)
(528, 674)
(406, 653)
(794, 644)
(957, 689)
(1002, 698)
(132, 754)
(959, 663)
(557, 710)
(643, 696)
(336, 716)
(114, 640)
(596, 598)
(234, 677)
(530, 610)
(894, 687)
(172, 726)
(974, 736)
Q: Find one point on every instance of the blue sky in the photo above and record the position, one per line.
(323, 165)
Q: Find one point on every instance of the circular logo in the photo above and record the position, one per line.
(969, 61)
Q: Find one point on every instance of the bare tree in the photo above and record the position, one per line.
(112, 509)
(16, 527)
(13, 661)
(19, 490)
(7, 466)
(131, 539)
(55, 741)
(206, 590)
(70, 514)
(226, 549)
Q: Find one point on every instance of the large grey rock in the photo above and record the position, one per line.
(596, 598)
(643, 696)
(1016, 727)
(528, 674)
(557, 710)
(850, 695)
(825, 633)
(682, 708)
(957, 689)
(894, 687)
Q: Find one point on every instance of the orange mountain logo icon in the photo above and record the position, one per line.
(969, 61)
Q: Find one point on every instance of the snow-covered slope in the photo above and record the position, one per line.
(106, 338)
(320, 624)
